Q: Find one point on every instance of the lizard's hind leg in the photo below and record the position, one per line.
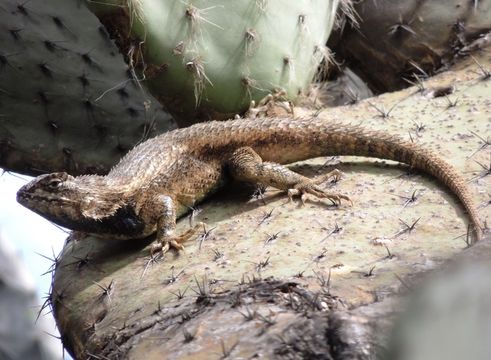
(246, 165)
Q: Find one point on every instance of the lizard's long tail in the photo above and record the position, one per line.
(359, 142)
(286, 140)
(301, 139)
(420, 158)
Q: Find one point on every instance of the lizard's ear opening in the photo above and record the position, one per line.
(95, 208)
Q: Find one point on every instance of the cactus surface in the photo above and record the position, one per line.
(396, 39)
(67, 99)
(270, 279)
(210, 57)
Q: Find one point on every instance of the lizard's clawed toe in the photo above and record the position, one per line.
(335, 174)
(174, 242)
(165, 246)
(156, 248)
(311, 188)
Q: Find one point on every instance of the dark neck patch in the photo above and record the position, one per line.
(122, 223)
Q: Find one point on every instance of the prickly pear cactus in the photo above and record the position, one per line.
(271, 279)
(68, 101)
(216, 56)
(396, 39)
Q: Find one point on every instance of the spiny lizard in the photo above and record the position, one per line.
(160, 179)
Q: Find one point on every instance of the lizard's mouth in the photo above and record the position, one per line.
(23, 196)
(44, 206)
(27, 198)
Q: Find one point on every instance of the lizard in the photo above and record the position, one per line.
(158, 181)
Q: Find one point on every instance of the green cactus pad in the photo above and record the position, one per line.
(67, 99)
(217, 56)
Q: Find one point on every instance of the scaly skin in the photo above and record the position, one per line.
(157, 181)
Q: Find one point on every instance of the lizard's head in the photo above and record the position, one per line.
(78, 203)
(51, 196)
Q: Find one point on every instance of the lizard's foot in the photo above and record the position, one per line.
(334, 174)
(310, 187)
(246, 165)
(174, 242)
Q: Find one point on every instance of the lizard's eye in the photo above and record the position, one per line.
(54, 183)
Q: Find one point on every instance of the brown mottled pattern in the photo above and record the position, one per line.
(284, 141)
(186, 165)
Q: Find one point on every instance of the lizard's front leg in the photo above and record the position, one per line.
(246, 165)
(163, 209)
